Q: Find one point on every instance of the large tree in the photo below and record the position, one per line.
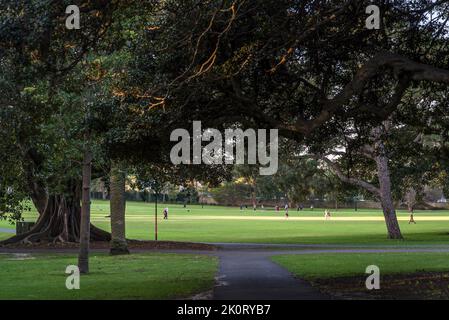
(302, 67)
(42, 87)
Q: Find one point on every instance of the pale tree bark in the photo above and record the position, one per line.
(351, 180)
(118, 208)
(379, 154)
(391, 220)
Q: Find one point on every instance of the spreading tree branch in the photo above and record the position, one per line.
(354, 181)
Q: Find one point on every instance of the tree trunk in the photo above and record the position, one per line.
(83, 257)
(118, 205)
(253, 194)
(104, 191)
(36, 187)
(59, 214)
(410, 199)
(59, 221)
(38, 195)
(383, 172)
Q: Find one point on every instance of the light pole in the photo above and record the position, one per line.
(155, 217)
(154, 185)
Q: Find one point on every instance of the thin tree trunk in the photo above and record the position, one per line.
(383, 172)
(118, 207)
(83, 258)
(253, 194)
(410, 199)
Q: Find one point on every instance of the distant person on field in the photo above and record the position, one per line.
(277, 208)
(327, 214)
(412, 220)
(166, 214)
(286, 210)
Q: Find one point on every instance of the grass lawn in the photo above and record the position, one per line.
(322, 266)
(4, 236)
(137, 276)
(225, 224)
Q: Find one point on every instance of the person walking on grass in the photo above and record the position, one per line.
(166, 214)
(286, 210)
(412, 220)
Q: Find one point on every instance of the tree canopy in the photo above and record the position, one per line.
(137, 70)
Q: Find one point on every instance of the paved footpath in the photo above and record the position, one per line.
(246, 271)
(7, 230)
(252, 275)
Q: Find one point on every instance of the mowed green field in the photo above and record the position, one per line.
(226, 224)
(334, 265)
(4, 236)
(137, 276)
